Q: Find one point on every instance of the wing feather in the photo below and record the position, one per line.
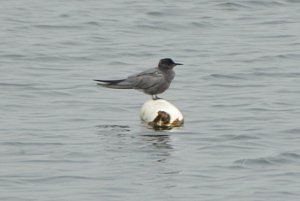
(146, 79)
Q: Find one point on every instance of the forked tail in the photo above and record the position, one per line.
(115, 84)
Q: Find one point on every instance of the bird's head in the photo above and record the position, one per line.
(167, 63)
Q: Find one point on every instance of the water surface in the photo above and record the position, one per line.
(64, 138)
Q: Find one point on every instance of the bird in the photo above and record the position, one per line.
(153, 81)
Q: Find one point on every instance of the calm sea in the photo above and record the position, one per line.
(64, 138)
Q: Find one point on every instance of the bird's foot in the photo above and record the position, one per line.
(155, 97)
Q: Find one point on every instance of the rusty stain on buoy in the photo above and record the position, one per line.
(161, 115)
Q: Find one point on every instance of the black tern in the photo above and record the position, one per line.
(152, 81)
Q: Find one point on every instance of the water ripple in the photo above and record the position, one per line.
(281, 159)
(232, 5)
(48, 26)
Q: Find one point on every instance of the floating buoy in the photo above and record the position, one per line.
(161, 114)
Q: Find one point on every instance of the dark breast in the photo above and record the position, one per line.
(161, 86)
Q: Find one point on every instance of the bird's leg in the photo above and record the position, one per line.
(155, 97)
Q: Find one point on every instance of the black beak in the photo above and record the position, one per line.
(177, 64)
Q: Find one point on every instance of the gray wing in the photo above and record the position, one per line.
(146, 79)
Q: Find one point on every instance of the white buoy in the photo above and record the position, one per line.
(161, 114)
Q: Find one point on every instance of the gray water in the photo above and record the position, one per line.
(64, 138)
